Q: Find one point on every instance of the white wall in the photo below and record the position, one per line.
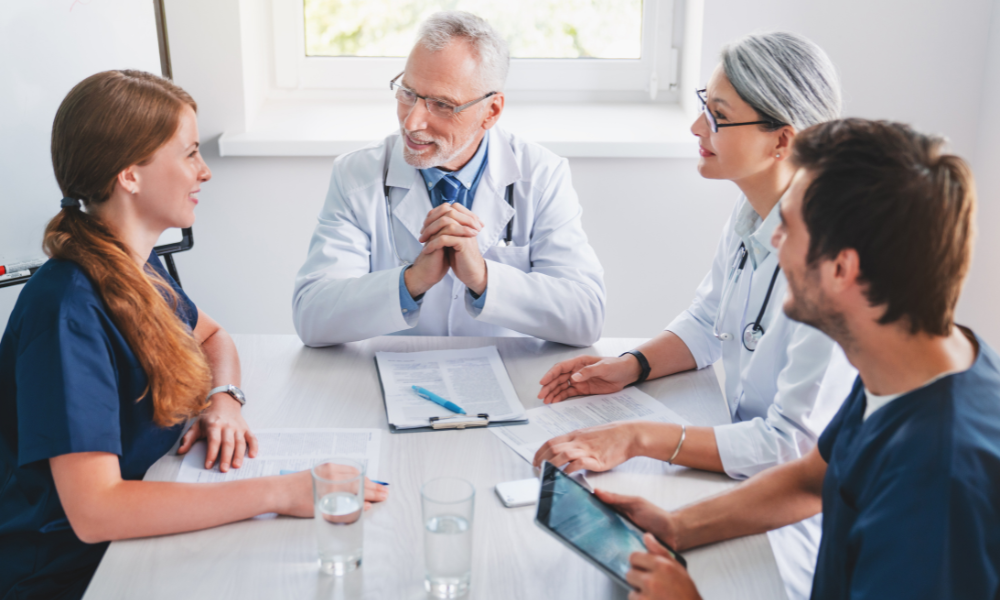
(979, 306)
(653, 222)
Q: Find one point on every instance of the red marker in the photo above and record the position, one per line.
(30, 265)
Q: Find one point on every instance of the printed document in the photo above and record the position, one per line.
(474, 379)
(288, 450)
(552, 420)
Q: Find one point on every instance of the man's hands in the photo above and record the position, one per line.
(646, 515)
(586, 375)
(655, 574)
(594, 448)
(449, 238)
(229, 436)
(427, 270)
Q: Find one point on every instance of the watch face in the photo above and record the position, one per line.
(237, 393)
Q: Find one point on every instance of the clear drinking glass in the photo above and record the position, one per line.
(448, 505)
(339, 497)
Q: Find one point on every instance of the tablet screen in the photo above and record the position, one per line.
(578, 517)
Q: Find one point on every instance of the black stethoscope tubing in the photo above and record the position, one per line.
(755, 329)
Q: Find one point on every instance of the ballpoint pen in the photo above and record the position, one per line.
(429, 395)
(293, 471)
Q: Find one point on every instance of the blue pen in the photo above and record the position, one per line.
(428, 395)
(290, 472)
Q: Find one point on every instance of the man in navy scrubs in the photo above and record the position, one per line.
(876, 240)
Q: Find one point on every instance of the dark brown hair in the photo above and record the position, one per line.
(107, 123)
(907, 208)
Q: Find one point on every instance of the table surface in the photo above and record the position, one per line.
(289, 385)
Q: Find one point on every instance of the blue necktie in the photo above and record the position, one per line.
(450, 189)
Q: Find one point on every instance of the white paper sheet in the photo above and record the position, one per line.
(552, 420)
(474, 379)
(290, 450)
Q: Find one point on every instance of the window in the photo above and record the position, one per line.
(561, 46)
(537, 29)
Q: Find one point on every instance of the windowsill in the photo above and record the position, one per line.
(326, 128)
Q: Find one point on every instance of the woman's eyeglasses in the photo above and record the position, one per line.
(715, 124)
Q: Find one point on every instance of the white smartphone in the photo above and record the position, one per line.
(523, 492)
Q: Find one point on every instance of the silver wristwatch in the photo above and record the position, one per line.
(232, 390)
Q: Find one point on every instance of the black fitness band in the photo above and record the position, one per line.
(643, 366)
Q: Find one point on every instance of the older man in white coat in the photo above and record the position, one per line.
(450, 226)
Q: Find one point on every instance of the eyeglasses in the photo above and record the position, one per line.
(438, 108)
(715, 124)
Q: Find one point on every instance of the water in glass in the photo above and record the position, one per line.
(448, 548)
(339, 532)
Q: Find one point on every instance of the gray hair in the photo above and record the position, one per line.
(494, 59)
(785, 77)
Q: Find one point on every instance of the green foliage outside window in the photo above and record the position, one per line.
(533, 28)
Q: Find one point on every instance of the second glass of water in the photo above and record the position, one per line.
(448, 505)
(339, 496)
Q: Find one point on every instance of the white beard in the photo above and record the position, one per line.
(442, 156)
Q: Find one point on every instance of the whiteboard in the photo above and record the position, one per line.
(47, 47)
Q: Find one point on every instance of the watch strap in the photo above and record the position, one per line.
(644, 368)
(230, 389)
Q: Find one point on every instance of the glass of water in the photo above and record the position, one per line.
(339, 496)
(448, 505)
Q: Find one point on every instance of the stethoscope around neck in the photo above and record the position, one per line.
(753, 332)
(506, 241)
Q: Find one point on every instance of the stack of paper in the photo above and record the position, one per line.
(289, 450)
(553, 420)
(475, 380)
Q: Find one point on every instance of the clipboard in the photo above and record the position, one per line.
(430, 426)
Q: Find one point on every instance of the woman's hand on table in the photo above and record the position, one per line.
(229, 437)
(296, 493)
(596, 448)
(656, 574)
(646, 515)
(586, 375)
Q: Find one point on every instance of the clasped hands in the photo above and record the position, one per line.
(449, 237)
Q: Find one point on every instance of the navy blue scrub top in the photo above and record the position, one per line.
(68, 383)
(911, 495)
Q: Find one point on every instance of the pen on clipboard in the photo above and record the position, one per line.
(428, 395)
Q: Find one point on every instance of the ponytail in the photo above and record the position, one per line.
(108, 122)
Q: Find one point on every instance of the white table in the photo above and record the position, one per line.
(288, 385)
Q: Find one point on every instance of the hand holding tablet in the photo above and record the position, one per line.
(589, 526)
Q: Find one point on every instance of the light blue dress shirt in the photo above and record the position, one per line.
(469, 177)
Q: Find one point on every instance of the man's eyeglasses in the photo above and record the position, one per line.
(438, 108)
(715, 124)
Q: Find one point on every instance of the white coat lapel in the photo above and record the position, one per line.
(411, 207)
(490, 203)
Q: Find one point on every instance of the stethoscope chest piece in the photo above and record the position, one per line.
(751, 336)
(753, 332)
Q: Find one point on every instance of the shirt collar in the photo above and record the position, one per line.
(756, 234)
(466, 175)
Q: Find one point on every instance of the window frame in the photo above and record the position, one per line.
(656, 71)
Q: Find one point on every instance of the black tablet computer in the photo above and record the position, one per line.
(591, 528)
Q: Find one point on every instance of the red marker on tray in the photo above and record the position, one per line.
(30, 265)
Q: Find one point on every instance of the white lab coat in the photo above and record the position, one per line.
(780, 396)
(548, 283)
